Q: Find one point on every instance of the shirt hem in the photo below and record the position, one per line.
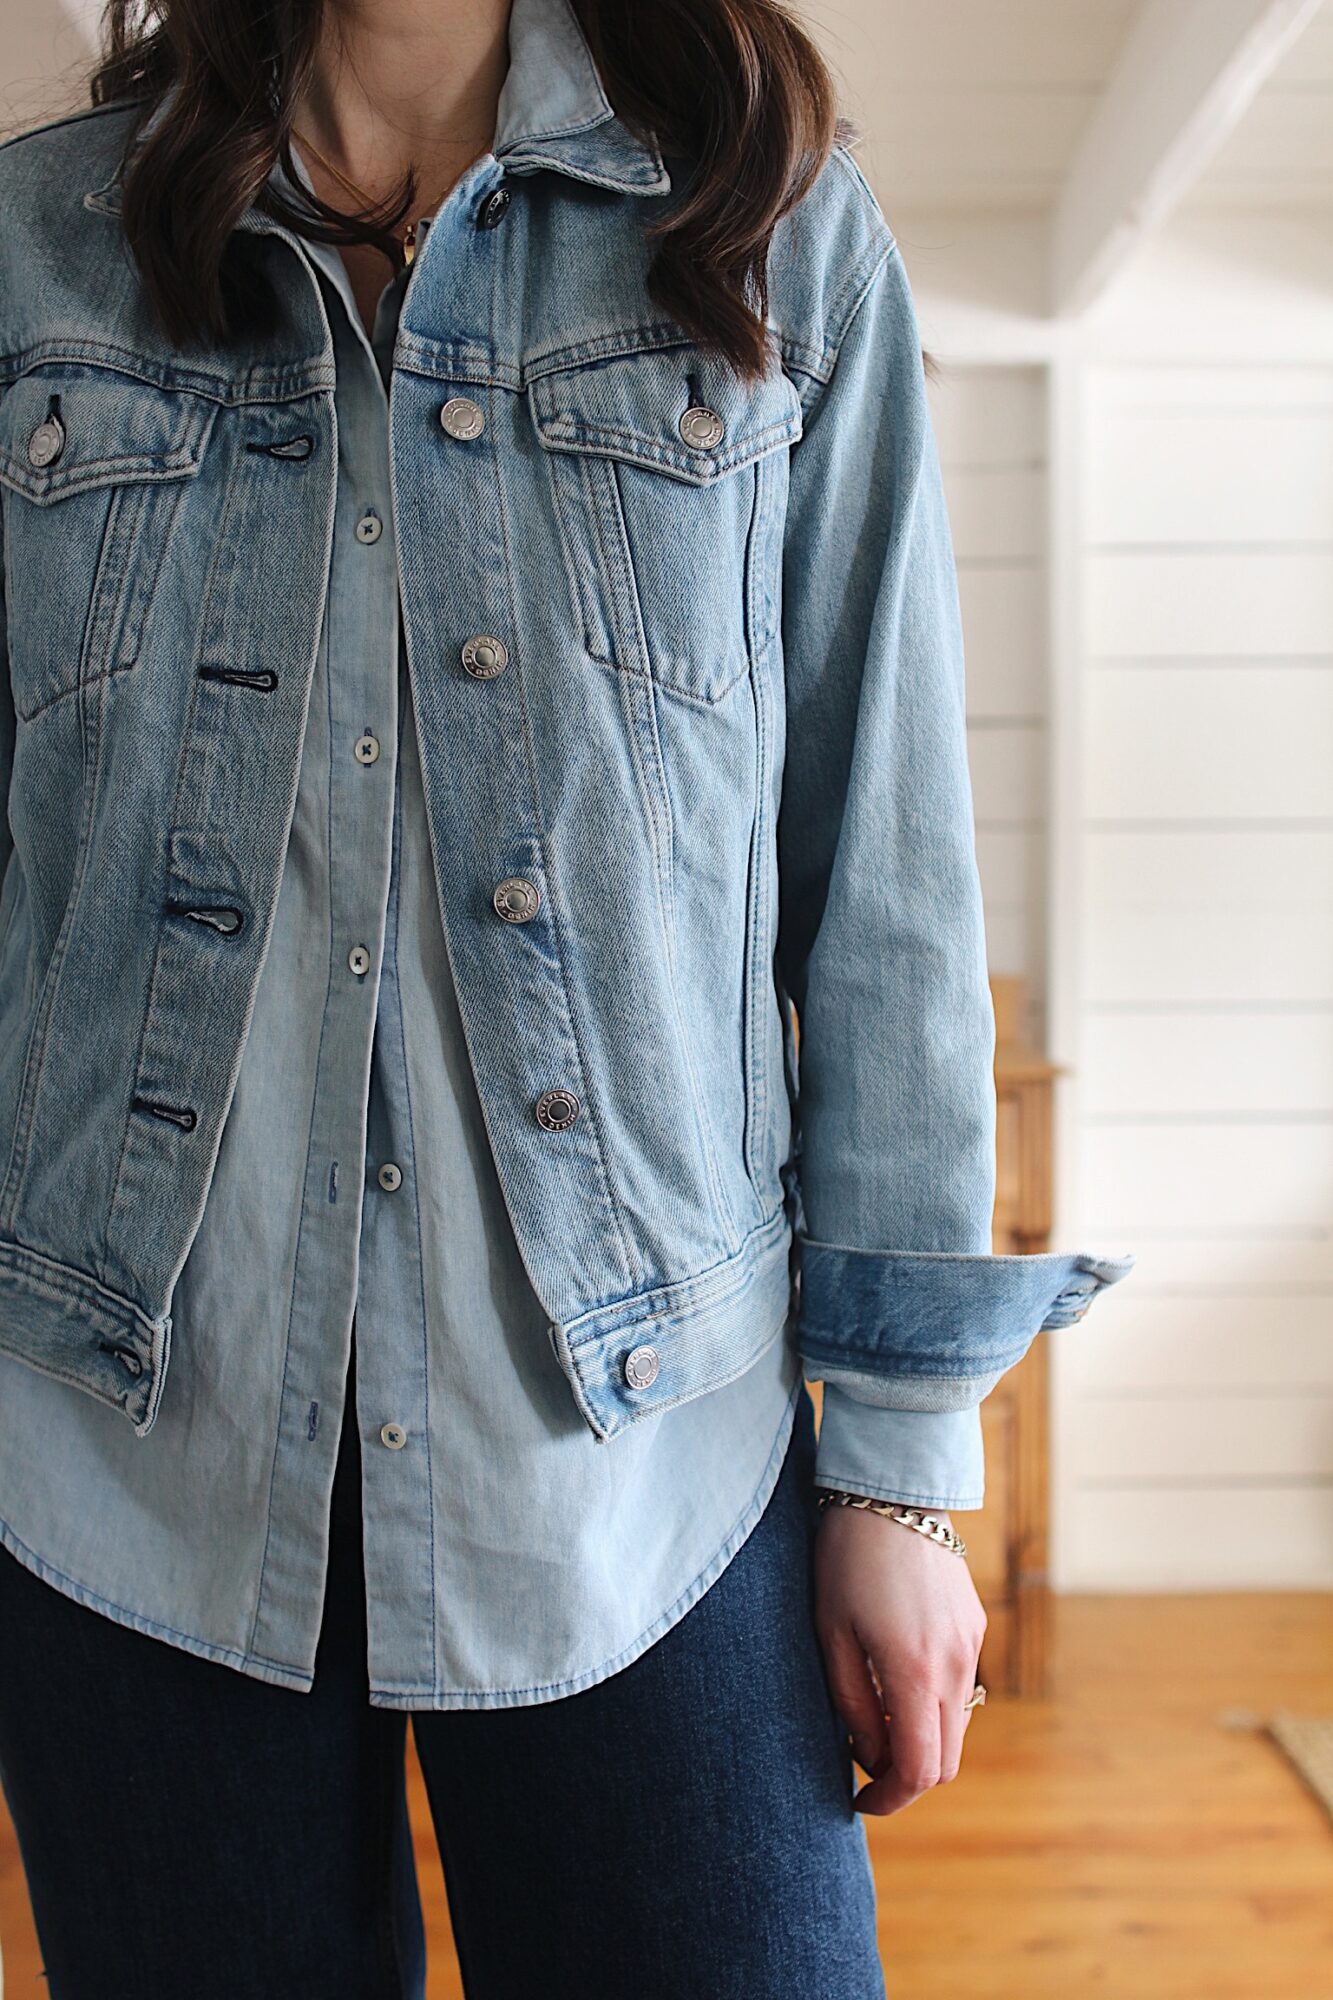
(387, 1695)
(254, 1665)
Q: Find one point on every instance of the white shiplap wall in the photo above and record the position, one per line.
(1195, 1407)
(990, 428)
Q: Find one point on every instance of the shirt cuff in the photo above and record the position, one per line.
(921, 1458)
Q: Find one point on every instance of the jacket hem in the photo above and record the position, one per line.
(66, 1324)
(705, 1331)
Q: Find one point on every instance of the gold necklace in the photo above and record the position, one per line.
(407, 234)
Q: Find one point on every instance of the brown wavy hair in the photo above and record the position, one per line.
(734, 88)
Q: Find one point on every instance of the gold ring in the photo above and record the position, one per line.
(978, 1698)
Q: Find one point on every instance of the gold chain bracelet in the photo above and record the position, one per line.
(907, 1517)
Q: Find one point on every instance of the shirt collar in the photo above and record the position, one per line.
(553, 112)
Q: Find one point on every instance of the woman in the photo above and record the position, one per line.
(406, 1127)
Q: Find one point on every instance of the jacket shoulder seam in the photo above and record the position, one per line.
(66, 118)
(818, 361)
(862, 275)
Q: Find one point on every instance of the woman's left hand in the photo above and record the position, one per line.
(892, 1600)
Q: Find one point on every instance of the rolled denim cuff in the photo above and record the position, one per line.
(934, 1330)
(921, 1458)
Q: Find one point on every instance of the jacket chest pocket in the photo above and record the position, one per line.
(669, 480)
(92, 468)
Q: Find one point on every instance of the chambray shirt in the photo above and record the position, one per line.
(510, 1556)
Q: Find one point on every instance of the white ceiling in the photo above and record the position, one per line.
(1281, 153)
(970, 103)
(981, 104)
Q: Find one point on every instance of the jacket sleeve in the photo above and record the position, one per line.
(881, 942)
(8, 724)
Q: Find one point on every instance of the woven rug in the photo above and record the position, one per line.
(1308, 1742)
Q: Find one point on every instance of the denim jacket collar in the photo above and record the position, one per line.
(552, 112)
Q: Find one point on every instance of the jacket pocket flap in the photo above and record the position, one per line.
(632, 408)
(65, 429)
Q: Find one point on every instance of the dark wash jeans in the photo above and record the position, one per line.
(681, 1831)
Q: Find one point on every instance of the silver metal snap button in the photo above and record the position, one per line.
(557, 1110)
(390, 1177)
(46, 443)
(462, 418)
(369, 528)
(642, 1367)
(393, 1435)
(493, 208)
(485, 656)
(366, 748)
(701, 427)
(359, 959)
(515, 899)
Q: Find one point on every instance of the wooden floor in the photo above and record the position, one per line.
(1134, 1838)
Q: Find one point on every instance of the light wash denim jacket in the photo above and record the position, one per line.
(509, 1557)
(688, 665)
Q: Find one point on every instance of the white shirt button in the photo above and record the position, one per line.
(367, 748)
(393, 1435)
(370, 527)
(359, 959)
(390, 1176)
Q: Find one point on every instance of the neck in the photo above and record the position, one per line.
(399, 83)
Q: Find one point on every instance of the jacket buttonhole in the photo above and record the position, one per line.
(125, 1355)
(297, 448)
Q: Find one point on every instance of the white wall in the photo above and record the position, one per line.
(1204, 1130)
(45, 55)
(990, 426)
(1189, 863)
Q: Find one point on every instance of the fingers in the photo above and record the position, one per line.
(855, 1695)
(954, 1719)
(901, 1628)
(915, 1747)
